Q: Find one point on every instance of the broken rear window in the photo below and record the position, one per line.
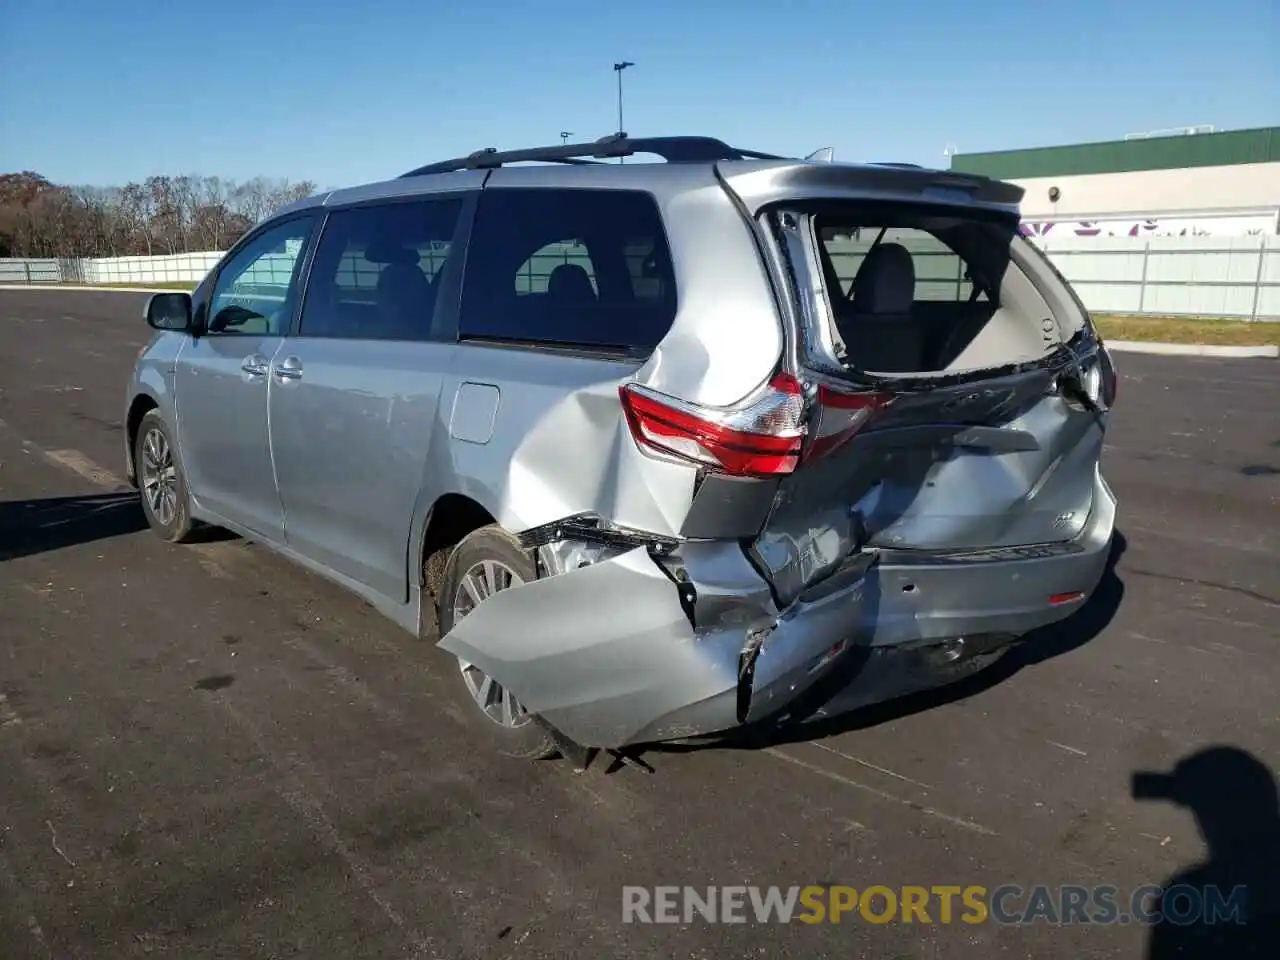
(917, 290)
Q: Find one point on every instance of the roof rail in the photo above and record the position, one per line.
(670, 149)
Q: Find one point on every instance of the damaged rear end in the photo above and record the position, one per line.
(913, 485)
(958, 397)
(630, 637)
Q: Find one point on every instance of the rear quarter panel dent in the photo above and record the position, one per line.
(561, 447)
(727, 336)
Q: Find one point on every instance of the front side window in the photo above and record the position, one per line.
(576, 268)
(257, 288)
(378, 269)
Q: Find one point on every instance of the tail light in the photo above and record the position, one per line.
(759, 438)
(1098, 379)
(840, 416)
(763, 437)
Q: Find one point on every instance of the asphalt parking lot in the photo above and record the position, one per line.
(206, 752)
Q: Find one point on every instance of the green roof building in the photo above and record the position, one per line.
(1223, 149)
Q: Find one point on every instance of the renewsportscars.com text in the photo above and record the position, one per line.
(1008, 904)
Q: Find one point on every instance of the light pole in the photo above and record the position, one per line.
(565, 135)
(618, 68)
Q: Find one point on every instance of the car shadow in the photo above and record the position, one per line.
(35, 526)
(1227, 905)
(1037, 647)
(206, 533)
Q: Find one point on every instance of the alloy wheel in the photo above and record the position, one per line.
(499, 704)
(159, 476)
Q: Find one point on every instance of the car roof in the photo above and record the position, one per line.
(758, 178)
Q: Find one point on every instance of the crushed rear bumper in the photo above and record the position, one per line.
(643, 648)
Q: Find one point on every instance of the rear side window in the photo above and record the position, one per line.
(377, 271)
(587, 268)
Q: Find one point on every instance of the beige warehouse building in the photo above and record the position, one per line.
(1209, 184)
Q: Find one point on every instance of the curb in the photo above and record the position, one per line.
(86, 288)
(1190, 349)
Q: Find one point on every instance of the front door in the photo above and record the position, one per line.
(223, 375)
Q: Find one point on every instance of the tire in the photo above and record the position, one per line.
(169, 512)
(524, 736)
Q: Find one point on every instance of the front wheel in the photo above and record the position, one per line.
(483, 563)
(161, 484)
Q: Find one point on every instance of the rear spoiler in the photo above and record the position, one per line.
(759, 184)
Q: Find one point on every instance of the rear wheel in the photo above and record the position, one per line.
(482, 564)
(161, 484)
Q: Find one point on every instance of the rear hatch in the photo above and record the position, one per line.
(956, 393)
(1000, 461)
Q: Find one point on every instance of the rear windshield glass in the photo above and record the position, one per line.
(587, 268)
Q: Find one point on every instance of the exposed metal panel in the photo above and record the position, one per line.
(1261, 145)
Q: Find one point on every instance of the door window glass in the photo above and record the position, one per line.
(257, 287)
(378, 271)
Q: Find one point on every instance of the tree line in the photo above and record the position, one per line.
(160, 215)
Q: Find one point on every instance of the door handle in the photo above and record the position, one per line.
(255, 365)
(290, 368)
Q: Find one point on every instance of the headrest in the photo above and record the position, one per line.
(570, 281)
(401, 280)
(384, 251)
(404, 292)
(886, 280)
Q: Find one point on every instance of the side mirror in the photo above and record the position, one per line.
(169, 311)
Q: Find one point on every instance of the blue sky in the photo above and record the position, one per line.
(104, 92)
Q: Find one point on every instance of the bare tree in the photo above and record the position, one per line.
(210, 214)
(253, 199)
(162, 214)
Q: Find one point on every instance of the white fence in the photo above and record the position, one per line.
(1165, 276)
(175, 268)
(1172, 276)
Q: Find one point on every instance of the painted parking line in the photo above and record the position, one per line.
(81, 465)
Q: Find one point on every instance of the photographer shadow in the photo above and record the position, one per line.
(1226, 907)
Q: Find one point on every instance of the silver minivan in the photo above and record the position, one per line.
(648, 450)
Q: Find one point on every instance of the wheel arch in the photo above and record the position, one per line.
(139, 407)
(451, 517)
